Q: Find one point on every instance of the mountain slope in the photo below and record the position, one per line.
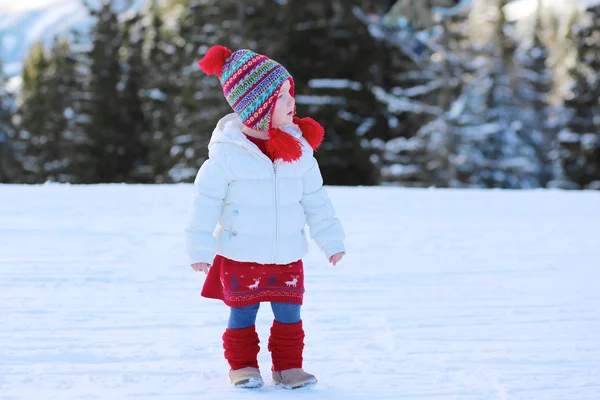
(21, 25)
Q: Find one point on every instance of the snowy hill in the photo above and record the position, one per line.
(445, 294)
(23, 23)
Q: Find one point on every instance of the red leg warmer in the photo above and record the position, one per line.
(286, 344)
(241, 347)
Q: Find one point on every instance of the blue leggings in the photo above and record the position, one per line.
(243, 317)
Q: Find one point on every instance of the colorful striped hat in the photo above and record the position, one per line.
(250, 82)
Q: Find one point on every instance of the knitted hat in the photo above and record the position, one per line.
(251, 83)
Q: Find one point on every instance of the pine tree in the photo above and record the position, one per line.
(62, 87)
(111, 153)
(34, 109)
(9, 168)
(579, 141)
(332, 57)
(534, 85)
(159, 94)
(47, 113)
(492, 150)
(197, 99)
(422, 150)
(134, 121)
(101, 152)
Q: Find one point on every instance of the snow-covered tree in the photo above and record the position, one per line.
(47, 113)
(534, 85)
(194, 99)
(34, 108)
(335, 64)
(495, 148)
(107, 154)
(475, 132)
(578, 156)
(9, 168)
(419, 150)
(135, 123)
(160, 93)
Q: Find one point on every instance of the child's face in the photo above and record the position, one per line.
(284, 107)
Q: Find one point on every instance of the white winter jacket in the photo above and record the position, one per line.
(247, 208)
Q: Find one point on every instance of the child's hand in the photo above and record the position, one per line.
(334, 259)
(201, 267)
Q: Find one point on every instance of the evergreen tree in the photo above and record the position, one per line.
(196, 99)
(422, 151)
(9, 168)
(335, 64)
(62, 85)
(135, 126)
(47, 113)
(534, 85)
(492, 149)
(578, 157)
(34, 110)
(159, 94)
(110, 152)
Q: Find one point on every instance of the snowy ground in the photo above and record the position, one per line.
(449, 295)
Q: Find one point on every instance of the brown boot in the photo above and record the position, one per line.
(241, 350)
(248, 377)
(286, 345)
(293, 378)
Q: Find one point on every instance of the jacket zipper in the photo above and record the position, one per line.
(276, 197)
(275, 242)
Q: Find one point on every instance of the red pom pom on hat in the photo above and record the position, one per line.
(214, 60)
(282, 145)
(312, 131)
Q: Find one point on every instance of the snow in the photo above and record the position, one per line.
(23, 23)
(399, 105)
(444, 294)
(482, 131)
(590, 142)
(520, 9)
(402, 144)
(26, 22)
(401, 171)
(156, 94)
(365, 126)
(320, 100)
(7, 5)
(334, 84)
(566, 136)
(421, 89)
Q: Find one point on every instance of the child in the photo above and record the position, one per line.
(260, 187)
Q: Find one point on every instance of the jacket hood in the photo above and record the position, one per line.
(229, 130)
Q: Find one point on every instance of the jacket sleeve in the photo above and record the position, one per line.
(210, 188)
(325, 229)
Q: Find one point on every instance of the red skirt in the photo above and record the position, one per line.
(241, 284)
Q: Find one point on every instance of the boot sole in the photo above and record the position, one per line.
(249, 383)
(310, 383)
